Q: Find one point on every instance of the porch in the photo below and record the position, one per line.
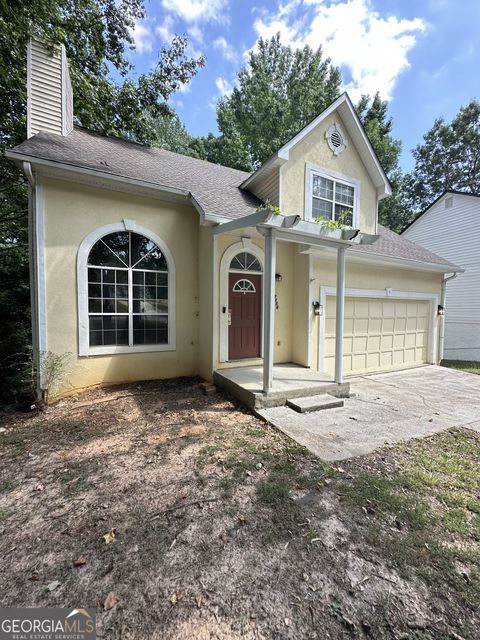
(288, 381)
(268, 385)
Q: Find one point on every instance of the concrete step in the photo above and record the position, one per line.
(315, 403)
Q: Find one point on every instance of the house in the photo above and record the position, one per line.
(148, 264)
(449, 226)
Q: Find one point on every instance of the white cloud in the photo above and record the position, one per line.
(224, 86)
(226, 49)
(371, 48)
(197, 10)
(165, 30)
(143, 37)
(196, 33)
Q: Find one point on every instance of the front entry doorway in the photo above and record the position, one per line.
(245, 315)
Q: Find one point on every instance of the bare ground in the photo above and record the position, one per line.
(223, 528)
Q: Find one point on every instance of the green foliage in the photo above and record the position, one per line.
(96, 35)
(448, 158)
(338, 223)
(393, 212)
(278, 92)
(268, 206)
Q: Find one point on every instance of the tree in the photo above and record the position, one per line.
(449, 158)
(393, 211)
(278, 92)
(96, 35)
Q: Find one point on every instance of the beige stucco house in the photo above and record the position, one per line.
(147, 264)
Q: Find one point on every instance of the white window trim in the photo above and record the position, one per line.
(245, 245)
(311, 170)
(84, 348)
(388, 293)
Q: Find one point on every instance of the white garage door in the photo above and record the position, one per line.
(379, 334)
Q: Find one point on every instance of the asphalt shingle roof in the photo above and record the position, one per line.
(214, 187)
(390, 244)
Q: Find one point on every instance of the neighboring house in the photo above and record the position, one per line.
(450, 226)
(148, 264)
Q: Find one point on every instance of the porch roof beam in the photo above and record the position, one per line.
(265, 217)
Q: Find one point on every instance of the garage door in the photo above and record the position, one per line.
(379, 334)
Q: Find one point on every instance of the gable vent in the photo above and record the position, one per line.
(336, 139)
(449, 202)
(49, 91)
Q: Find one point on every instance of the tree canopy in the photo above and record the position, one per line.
(97, 35)
(448, 158)
(277, 93)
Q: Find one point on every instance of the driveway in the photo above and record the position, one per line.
(386, 408)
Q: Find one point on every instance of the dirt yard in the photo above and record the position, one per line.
(181, 516)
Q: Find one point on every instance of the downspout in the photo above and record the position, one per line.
(442, 318)
(33, 272)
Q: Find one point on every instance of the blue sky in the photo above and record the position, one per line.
(423, 56)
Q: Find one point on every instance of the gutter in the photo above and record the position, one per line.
(25, 160)
(443, 297)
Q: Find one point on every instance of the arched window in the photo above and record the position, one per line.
(244, 286)
(245, 261)
(127, 281)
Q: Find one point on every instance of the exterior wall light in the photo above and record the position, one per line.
(441, 310)
(278, 277)
(317, 308)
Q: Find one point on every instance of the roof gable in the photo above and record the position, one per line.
(355, 132)
(438, 201)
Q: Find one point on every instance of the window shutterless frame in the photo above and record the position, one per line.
(85, 349)
(332, 194)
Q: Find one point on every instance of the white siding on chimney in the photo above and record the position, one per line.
(49, 106)
(453, 232)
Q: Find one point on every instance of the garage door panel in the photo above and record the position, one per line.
(360, 325)
(379, 334)
(388, 325)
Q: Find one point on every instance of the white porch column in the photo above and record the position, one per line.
(340, 313)
(269, 309)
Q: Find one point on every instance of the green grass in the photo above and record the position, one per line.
(74, 481)
(6, 485)
(426, 515)
(462, 365)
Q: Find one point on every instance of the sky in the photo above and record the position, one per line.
(423, 56)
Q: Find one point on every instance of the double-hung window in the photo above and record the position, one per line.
(332, 199)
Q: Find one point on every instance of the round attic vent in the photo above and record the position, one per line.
(336, 139)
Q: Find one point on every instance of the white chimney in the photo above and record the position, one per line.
(49, 91)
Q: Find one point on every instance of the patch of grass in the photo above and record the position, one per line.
(17, 439)
(6, 484)
(433, 501)
(4, 514)
(462, 365)
(273, 494)
(74, 481)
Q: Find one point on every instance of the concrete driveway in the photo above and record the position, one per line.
(386, 408)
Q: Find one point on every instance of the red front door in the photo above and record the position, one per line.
(245, 308)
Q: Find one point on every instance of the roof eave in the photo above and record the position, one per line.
(205, 217)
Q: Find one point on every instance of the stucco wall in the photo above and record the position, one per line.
(72, 211)
(314, 149)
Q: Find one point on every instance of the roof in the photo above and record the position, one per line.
(215, 188)
(392, 245)
(343, 105)
(437, 199)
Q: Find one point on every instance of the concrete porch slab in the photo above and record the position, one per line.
(386, 408)
(289, 381)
